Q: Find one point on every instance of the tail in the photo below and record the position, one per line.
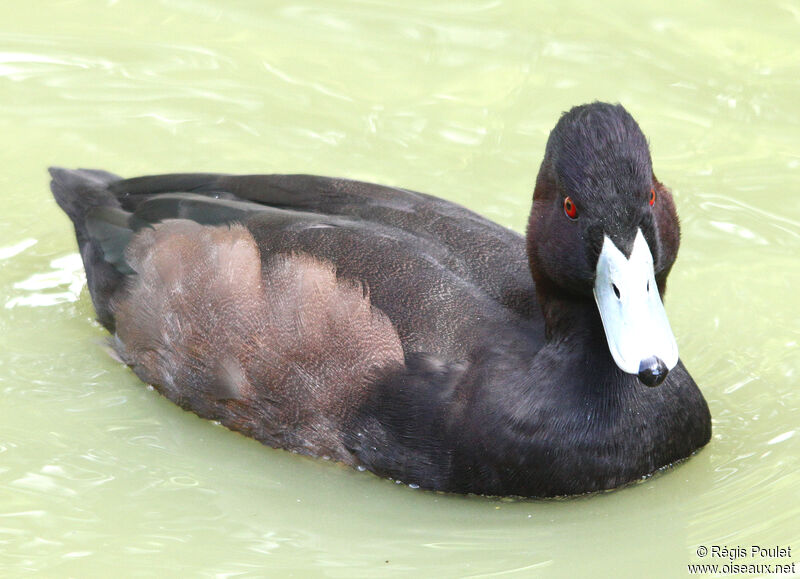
(101, 228)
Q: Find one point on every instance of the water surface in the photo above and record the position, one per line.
(451, 98)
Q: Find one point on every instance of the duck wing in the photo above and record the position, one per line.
(489, 255)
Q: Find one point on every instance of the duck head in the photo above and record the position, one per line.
(603, 229)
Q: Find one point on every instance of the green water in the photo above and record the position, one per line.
(101, 476)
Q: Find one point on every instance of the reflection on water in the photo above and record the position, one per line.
(35, 290)
(10, 251)
(450, 98)
(20, 66)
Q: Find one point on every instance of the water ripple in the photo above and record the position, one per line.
(65, 271)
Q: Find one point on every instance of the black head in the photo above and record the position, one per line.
(604, 231)
(597, 180)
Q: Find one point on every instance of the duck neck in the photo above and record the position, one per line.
(568, 316)
(575, 337)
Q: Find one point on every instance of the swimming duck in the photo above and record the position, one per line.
(404, 334)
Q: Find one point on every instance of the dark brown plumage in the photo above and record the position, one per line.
(399, 332)
(207, 323)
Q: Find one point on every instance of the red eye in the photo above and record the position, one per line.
(652, 197)
(570, 209)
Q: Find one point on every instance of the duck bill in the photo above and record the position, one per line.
(636, 326)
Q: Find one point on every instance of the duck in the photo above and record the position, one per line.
(403, 334)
